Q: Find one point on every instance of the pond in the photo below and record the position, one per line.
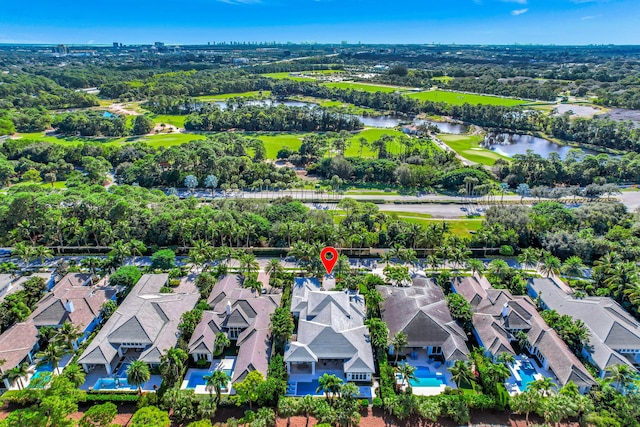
(445, 127)
(509, 144)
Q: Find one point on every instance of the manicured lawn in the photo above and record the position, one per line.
(443, 79)
(468, 147)
(457, 98)
(363, 87)
(462, 227)
(371, 135)
(170, 139)
(73, 140)
(224, 96)
(286, 75)
(57, 184)
(273, 143)
(175, 120)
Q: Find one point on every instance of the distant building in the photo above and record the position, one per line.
(499, 316)
(411, 130)
(614, 335)
(61, 49)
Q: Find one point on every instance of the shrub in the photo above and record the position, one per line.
(506, 250)
(125, 276)
(377, 402)
(364, 404)
(164, 259)
(166, 290)
(174, 283)
(113, 397)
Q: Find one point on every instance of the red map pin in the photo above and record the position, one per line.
(329, 257)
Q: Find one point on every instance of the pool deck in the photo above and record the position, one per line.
(227, 363)
(92, 377)
(420, 358)
(512, 382)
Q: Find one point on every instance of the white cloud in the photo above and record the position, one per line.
(515, 1)
(589, 17)
(519, 11)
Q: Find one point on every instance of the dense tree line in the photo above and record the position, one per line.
(575, 169)
(270, 118)
(99, 123)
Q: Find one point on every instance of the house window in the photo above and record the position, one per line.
(233, 333)
(436, 350)
(358, 376)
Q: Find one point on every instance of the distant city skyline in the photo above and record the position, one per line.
(560, 22)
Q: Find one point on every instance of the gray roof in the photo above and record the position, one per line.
(10, 284)
(146, 316)
(16, 343)
(87, 302)
(611, 327)
(332, 327)
(497, 312)
(420, 311)
(300, 292)
(248, 311)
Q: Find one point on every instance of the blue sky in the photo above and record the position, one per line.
(366, 21)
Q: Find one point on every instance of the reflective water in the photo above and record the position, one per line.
(509, 144)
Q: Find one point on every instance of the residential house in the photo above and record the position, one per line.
(420, 311)
(143, 328)
(499, 316)
(614, 335)
(10, 284)
(331, 334)
(245, 318)
(70, 300)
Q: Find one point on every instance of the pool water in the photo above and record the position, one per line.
(309, 388)
(426, 378)
(197, 377)
(122, 372)
(113, 384)
(526, 372)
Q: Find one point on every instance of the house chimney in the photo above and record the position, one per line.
(505, 310)
(68, 305)
(228, 308)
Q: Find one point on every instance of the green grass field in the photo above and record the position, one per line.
(153, 140)
(457, 98)
(225, 96)
(363, 87)
(443, 79)
(286, 75)
(461, 227)
(175, 120)
(273, 143)
(468, 147)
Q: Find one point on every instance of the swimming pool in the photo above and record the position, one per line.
(527, 374)
(42, 375)
(113, 384)
(197, 377)
(122, 372)
(426, 378)
(309, 388)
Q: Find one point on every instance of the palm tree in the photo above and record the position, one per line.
(306, 406)
(200, 253)
(550, 265)
(138, 248)
(407, 372)
(329, 384)
(138, 373)
(506, 358)
(498, 268)
(461, 372)
(573, 266)
(373, 299)
(398, 342)
(75, 374)
(221, 342)
(215, 382)
(248, 264)
(542, 386)
(42, 253)
(120, 250)
(274, 269)
(621, 375)
(69, 334)
(172, 364)
(24, 252)
(529, 258)
(17, 374)
(525, 403)
(476, 266)
(53, 354)
(287, 407)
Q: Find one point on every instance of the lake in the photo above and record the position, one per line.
(509, 144)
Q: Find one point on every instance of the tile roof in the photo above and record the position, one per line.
(421, 312)
(331, 326)
(16, 343)
(611, 327)
(496, 312)
(248, 311)
(146, 316)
